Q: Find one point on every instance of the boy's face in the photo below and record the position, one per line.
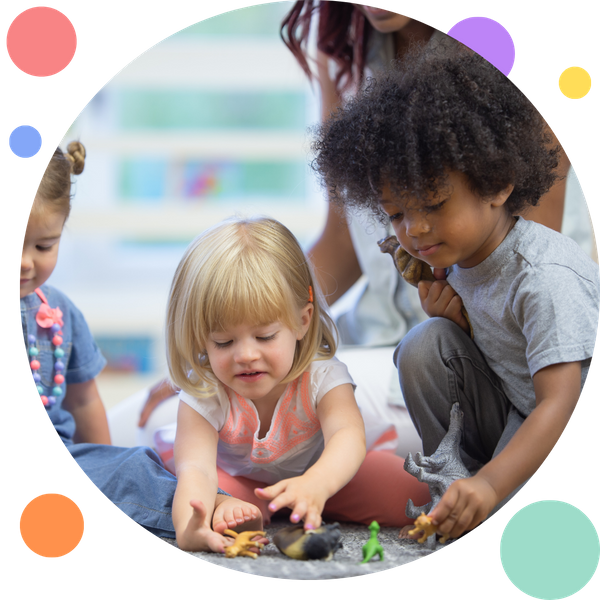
(461, 230)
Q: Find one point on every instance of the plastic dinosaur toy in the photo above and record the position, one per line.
(412, 269)
(372, 547)
(320, 543)
(424, 523)
(440, 469)
(242, 543)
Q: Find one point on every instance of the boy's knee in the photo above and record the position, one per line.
(422, 344)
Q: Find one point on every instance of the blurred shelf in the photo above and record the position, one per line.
(244, 62)
(184, 222)
(222, 145)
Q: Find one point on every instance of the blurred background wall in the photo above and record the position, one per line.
(210, 122)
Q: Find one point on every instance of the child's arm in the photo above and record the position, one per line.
(345, 449)
(195, 455)
(439, 299)
(83, 401)
(467, 502)
(159, 392)
(333, 255)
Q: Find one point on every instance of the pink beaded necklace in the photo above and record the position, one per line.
(48, 318)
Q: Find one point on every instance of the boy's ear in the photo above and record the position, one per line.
(500, 198)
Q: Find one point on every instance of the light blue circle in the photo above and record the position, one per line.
(549, 550)
(25, 141)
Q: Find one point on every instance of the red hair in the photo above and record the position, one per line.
(343, 34)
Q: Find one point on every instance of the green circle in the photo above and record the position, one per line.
(549, 550)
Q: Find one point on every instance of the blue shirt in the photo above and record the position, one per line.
(82, 359)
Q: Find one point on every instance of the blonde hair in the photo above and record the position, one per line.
(241, 271)
(54, 191)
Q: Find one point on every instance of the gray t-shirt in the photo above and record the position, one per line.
(532, 303)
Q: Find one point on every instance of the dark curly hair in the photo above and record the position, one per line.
(444, 108)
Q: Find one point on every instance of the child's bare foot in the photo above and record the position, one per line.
(235, 514)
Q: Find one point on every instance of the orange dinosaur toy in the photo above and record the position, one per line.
(242, 542)
(424, 524)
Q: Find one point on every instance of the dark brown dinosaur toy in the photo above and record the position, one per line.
(412, 269)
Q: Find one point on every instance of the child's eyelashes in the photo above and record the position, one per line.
(221, 344)
(225, 344)
(435, 207)
(428, 209)
(267, 337)
(44, 248)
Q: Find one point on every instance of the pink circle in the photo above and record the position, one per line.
(41, 41)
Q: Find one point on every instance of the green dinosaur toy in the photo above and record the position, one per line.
(372, 547)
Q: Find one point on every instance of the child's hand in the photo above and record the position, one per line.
(439, 299)
(466, 503)
(299, 494)
(198, 536)
(158, 393)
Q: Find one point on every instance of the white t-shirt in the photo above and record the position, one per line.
(294, 441)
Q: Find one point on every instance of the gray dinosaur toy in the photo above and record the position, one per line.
(440, 469)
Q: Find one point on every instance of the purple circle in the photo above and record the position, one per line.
(489, 39)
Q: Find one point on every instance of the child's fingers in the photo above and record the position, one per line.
(281, 501)
(270, 492)
(447, 295)
(440, 513)
(423, 288)
(312, 520)
(439, 273)
(276, 494)
(454, 309)
(464, 505)
(299, 511)
(440, 294)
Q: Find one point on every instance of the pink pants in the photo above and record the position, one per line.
(378, 492)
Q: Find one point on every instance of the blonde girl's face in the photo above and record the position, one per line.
(253, 360)
(40, 248)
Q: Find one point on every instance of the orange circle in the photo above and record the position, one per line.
(51, 525)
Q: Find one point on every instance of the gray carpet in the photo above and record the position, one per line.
(345, 563)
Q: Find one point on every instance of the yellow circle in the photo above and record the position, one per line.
(575, 82)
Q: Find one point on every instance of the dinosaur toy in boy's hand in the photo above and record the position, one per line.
(425, 524)
(412, 269)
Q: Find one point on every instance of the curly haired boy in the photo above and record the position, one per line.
(450, 152)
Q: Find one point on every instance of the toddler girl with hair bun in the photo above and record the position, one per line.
(65, 360)
(266, 410)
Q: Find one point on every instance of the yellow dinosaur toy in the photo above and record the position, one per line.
(424, 524)
(242, 542)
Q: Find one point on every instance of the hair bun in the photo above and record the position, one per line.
(76, 155)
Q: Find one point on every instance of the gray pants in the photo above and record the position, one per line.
(438, 365)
